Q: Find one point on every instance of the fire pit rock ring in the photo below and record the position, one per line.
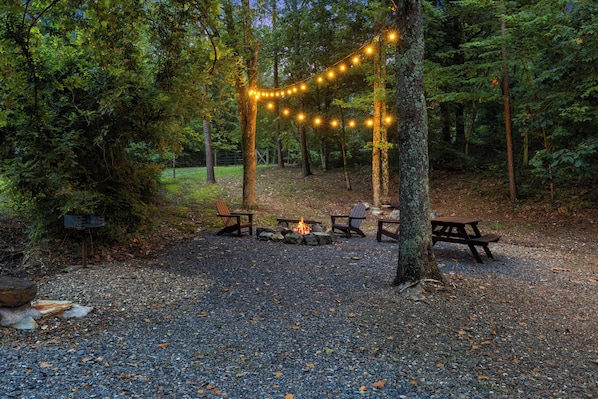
(300, 234)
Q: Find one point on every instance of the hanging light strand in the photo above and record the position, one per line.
(320, 121)
(352, 60)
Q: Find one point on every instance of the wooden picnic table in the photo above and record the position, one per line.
(462, 230)
(454, 229)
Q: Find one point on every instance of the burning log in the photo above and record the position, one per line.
(302, 228)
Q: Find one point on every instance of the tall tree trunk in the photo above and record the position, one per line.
(384, 144)
(248, 116)
(279, 156)
(207, 138)
(507, 103)
(385, 166)
(344, 150)
(445, 119)
(460, 135)
(304, 150)
(245, 82)
(416, 254)
(471, 127)
(378, 102)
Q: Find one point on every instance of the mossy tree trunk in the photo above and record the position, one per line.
(241, 39)
(416, 255)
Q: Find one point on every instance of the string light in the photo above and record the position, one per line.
(330, 73)
(317, 120)
(340, 67)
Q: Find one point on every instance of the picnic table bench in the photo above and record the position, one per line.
(462, 230)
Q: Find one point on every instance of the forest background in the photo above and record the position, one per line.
(98, 97)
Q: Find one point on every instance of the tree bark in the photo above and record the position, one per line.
(416, 254)
(245, 83)
(507, 104)
(344, 150)
(207, 137)
(279, 155)
(304, 150)
(378, 102)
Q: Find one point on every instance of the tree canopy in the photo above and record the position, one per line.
(96, 96)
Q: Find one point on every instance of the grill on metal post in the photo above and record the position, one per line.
(83, 223)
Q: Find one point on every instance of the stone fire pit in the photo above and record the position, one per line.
(314, 235)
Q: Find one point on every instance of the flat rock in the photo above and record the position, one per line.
(15, 292)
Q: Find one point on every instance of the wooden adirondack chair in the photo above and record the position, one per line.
(234, 222)
(353, 221)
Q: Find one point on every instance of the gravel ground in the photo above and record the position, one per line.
(224, 317)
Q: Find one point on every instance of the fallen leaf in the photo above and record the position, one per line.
(439, 364)
(163, 345)
(516, 361)
(414, 382)
(559, 269)
(214, 389)
(351, 315)
(380, 384)
(278, 374)
(483, 377)
(289, 396)
(45, 364)
(595, 361)
(310, 365)
(363, 388)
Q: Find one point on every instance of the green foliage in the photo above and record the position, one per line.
(92, 96)
(551, 53)
(565, 164)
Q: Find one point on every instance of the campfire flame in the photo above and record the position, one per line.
(302, 228)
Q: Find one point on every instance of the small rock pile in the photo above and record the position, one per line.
(18, 311)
